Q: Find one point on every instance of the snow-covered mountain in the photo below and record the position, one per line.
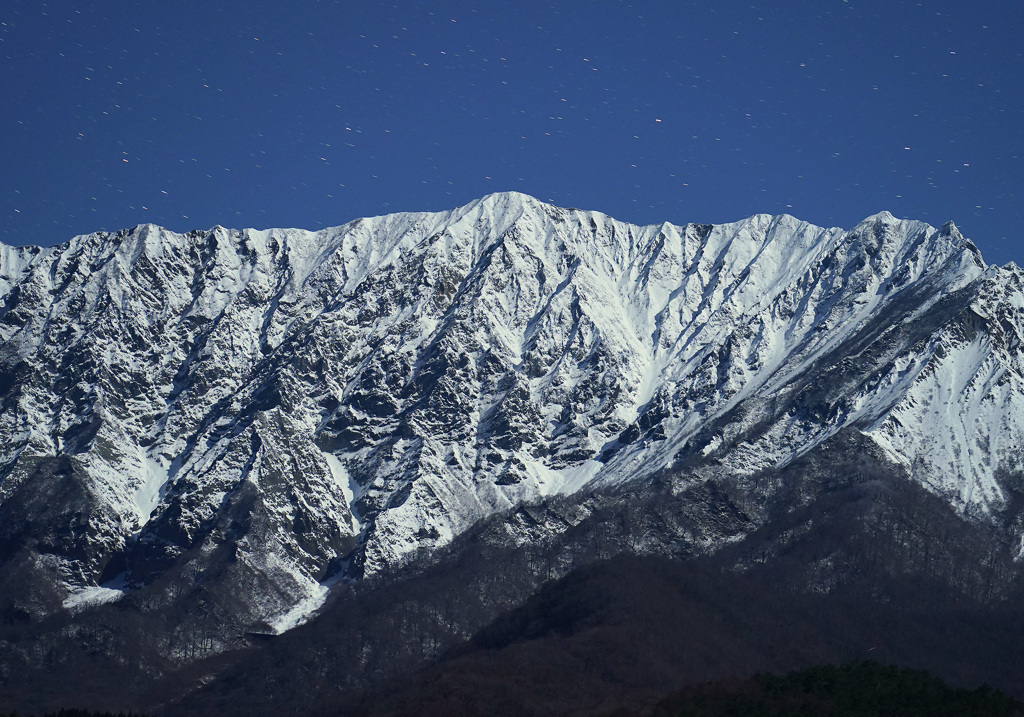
(288, 407)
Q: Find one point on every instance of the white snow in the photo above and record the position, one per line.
(147, 496)
(96, 595)
(565, 481)
(301, 612)
(349, 488)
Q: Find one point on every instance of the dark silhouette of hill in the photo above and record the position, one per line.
(621, 634)
(861, 689)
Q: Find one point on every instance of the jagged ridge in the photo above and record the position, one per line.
(328, 403)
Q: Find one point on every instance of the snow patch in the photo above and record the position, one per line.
(565, 481)
(349, 488)
(147, 497)
(96, 595)
(301, 612)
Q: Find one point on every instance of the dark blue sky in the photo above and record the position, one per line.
(310, 114)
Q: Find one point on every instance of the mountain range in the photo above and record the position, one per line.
(225, 434)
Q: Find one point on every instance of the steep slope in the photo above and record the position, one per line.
(281, 408)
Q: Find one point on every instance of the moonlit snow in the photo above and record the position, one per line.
(355, 395)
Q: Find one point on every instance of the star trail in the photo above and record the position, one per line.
(312, 114)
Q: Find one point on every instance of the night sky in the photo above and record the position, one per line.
(311, 114)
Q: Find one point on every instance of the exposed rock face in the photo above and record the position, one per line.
(297, 405)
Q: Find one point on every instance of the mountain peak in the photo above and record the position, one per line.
(509, 196)
(884, 217)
